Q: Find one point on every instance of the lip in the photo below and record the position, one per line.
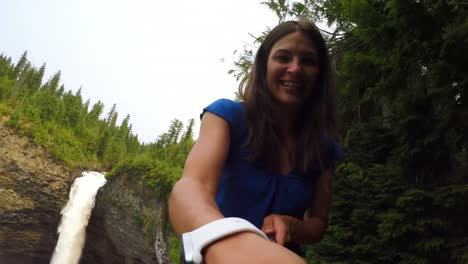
(295, 87)
(289, 89)
(295, 83)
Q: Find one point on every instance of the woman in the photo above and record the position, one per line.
(269, 159)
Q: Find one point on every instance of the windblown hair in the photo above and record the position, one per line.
(317, 114)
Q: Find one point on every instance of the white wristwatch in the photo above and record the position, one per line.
(192, 243)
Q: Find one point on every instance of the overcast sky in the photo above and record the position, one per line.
(156, 60)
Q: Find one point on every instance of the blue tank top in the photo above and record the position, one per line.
(251, 191)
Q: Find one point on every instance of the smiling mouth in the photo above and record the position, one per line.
(291, 86)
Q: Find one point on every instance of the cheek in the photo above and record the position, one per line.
(273, 74)
(271, 77)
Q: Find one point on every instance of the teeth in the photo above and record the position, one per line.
(290, 84)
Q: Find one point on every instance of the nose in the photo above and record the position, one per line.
(294, 66)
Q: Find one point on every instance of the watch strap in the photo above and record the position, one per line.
(218, 229)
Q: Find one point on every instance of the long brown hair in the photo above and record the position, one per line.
(316, 116)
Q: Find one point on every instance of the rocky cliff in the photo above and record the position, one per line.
(34, 188)
(124, 223)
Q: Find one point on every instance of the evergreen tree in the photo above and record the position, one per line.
(20, 66)
(32, 81)
(6, 81)
(112, 116)
(93, 116)
(73, 109)
(53, 83)
(188, 134)
(46, 105)
(125, 128)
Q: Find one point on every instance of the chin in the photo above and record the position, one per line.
(285, 99)
(289, 101)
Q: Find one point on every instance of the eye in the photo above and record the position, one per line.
(282, 57)
(309, 60)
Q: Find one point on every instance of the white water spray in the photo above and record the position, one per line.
(75, 217)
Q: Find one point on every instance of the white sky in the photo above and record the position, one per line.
(156, 60)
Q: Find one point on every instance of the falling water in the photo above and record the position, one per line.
(75, 217)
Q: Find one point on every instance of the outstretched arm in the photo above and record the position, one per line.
(192, 202)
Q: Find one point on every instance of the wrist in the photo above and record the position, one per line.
(194, 243)
(219, 251)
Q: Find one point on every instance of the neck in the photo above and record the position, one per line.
(286, 119)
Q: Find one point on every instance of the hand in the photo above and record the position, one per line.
(278, 225)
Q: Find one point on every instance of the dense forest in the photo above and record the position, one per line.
(401, 191)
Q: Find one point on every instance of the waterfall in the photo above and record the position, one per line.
(75, 217)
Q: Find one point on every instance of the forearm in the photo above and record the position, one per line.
(306, 231)
(249, 248)
(191, 205)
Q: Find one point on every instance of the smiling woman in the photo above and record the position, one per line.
(268, 159)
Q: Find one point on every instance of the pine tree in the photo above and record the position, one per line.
(112, 116)
(20, 66)
(36, 81)
(93, 116)
(188, 134)
(53, 83)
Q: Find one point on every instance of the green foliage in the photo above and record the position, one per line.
(60, 141)
(161, 163)
(174, 251)
(163, 176)
(5, 110)
(13, 121)
(139, 165)
(5, 88)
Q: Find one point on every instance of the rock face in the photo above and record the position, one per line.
(122, 227)
(34, 188)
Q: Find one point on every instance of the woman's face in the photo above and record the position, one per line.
(292, 69)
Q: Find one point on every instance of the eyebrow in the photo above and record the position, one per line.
(308, 53)
(281, 50)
